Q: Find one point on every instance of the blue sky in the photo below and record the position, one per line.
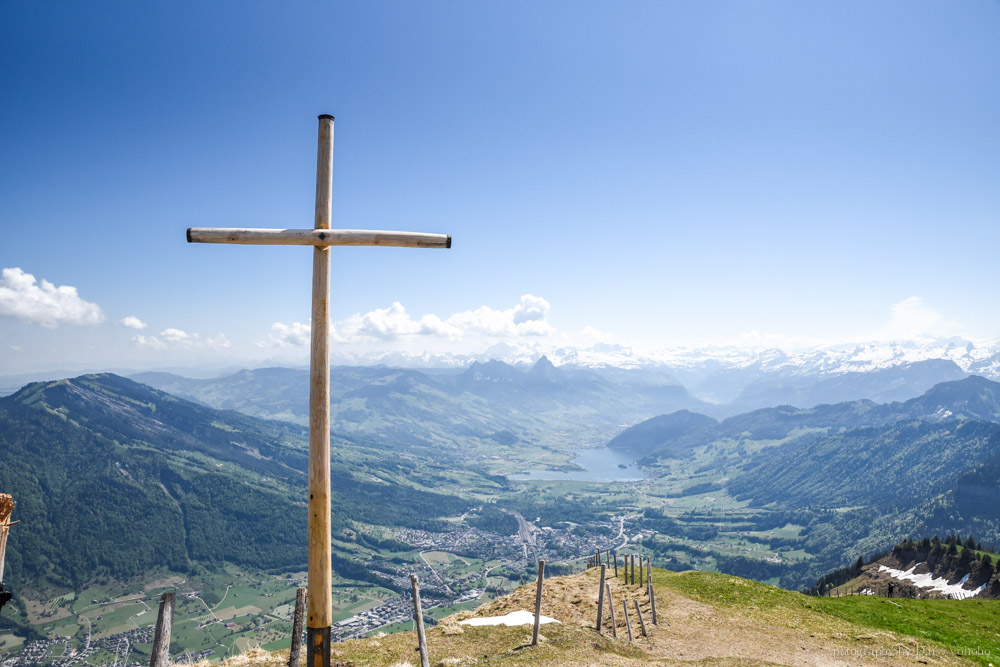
(644, 172)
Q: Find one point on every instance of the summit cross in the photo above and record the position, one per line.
(321, 238)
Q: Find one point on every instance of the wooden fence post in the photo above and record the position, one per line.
(600, 597)
(640, 569)
(642, 623)
(611, 608)
(538, 602)
(652, 603)
(633, 569)
(297, 618)
(418, 613)
(616, 566)
(161, 639)
(628, 623)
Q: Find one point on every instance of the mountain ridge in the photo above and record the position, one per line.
(102, 460)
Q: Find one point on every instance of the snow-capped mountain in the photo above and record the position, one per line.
(749, 377)
(972, 358)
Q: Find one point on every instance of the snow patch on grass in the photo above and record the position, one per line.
(513, 618)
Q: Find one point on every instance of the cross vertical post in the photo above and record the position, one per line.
(321, 237)
(320, 577)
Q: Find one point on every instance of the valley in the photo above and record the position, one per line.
(195, 492)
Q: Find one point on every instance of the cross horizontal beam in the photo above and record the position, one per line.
(320, 238)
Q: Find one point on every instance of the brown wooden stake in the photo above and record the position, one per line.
(628, 623)
(642, 623)
(161, 638)
(299, 616)
(7, 505)
(538, 602)
(640, 570)
(611, 608)
(616, 566)
(652, 603)
(633, 569)
(418, 615)
(600, 597)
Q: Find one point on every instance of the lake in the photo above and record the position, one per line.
(599, 464)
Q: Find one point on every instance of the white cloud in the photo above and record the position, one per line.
(912, 319)
(218, 342)
(592, 335)
(391, 323)
(283, 335)
(151, 342)
(177, 336)
(43, 303)
(528, 318)
(178, 339)
(133, 322)
(393, 328)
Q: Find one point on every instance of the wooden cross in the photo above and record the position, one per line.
(321, 237)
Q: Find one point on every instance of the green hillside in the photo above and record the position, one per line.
(115, 479)
(855, 477)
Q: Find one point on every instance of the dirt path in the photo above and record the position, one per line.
(699, 632)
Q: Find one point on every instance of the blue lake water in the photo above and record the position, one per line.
(599, 464)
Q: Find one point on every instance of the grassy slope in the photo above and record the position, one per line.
(713, 619)
(948, 626)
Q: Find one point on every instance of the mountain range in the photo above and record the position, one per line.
(118, 479)
(862, 471)
(744, 377)
(409, 405)
(973, 357)
(403, 403)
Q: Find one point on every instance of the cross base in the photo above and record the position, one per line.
(318, 647)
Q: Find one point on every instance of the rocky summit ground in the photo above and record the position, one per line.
(704, 619)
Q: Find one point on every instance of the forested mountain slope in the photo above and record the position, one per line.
(115, 478)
